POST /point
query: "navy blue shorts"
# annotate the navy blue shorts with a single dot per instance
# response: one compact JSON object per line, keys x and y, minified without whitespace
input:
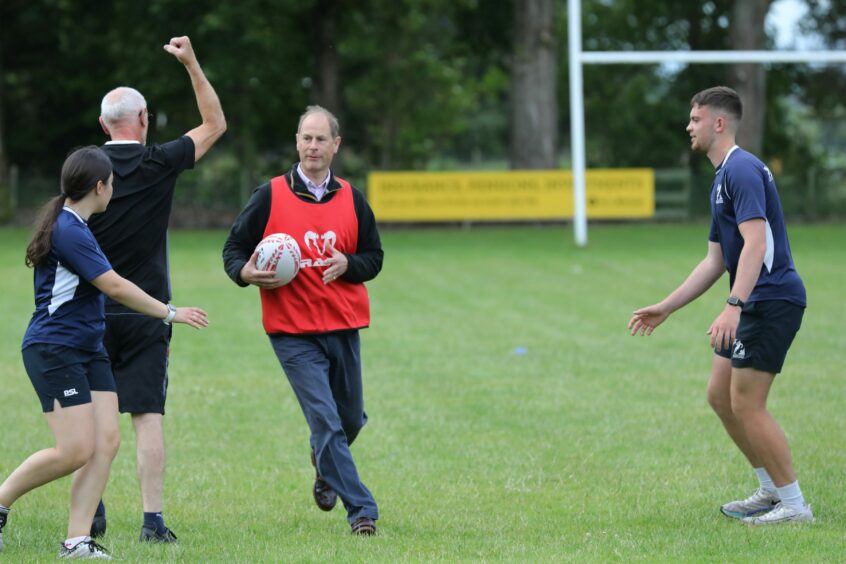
{"x":67,"y":375}
{"x":139,"y":348}
{"x":764,"y":335}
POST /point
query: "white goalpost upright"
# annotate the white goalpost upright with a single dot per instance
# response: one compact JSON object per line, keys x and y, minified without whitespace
{"x":577,"y":58}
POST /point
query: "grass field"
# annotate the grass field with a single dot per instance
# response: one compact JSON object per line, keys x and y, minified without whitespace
{"x":512,"y":417}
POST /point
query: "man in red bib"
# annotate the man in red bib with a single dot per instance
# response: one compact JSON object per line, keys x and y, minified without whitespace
{"x":313,"y":321}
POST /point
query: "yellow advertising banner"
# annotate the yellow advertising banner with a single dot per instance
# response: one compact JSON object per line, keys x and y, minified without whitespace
{"x":509,"y":195}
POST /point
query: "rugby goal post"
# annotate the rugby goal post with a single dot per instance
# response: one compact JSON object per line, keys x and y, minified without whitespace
{"x":577,"y":108}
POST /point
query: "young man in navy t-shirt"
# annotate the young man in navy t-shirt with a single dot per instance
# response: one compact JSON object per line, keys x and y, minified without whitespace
{"x":762,"y":314}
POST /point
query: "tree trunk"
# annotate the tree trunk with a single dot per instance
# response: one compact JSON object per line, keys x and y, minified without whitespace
{"x":325,"y":14}
{"x":750,"y":79}
{"x":534,"y":106}
{"x":324,"y":17}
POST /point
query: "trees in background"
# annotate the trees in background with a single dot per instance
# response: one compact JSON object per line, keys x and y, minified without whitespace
{"x":6,"y":203}
{"x":822,"y":88}
{"x":418,"y":84}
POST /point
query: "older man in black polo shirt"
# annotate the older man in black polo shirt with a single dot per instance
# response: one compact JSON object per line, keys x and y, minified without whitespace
{"x":133,"y":234}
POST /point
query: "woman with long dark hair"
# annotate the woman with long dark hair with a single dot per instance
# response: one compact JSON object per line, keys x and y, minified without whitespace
{"x":63,"y":348}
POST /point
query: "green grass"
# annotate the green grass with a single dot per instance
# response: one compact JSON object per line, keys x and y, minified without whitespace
{"x":593,"y":446}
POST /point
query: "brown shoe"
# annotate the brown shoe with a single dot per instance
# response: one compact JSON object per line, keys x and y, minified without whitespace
{"x":324,"y":496}
{"x":364,"y":526}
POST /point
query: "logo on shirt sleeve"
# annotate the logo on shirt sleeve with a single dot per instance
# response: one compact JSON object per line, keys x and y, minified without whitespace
{"x":769,"y":173}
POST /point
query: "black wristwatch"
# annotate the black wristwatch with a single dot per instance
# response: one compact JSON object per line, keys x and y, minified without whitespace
{"x":735,"y":301}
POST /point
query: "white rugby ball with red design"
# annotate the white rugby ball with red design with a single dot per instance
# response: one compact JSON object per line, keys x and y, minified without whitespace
{"x":280,"y":253}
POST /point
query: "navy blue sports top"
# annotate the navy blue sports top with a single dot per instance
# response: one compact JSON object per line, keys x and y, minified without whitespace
{"x":69,"y":310}
{"x":744,"y":189}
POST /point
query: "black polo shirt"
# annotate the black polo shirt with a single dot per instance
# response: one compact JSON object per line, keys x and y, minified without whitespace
{"x":133,"y":230}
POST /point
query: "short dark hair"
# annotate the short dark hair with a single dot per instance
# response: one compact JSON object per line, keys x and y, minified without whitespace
{"x":722,"y":98}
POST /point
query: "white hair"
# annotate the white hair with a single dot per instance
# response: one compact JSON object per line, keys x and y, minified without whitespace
{"x":121,"y":103}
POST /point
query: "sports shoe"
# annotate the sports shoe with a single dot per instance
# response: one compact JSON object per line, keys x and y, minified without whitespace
{"x":324,"y":496}
{"x":85,"y":549}
{"x":364,"y":526}
{"x":3,"y":515}
{"x":759,"y":502}
{"x":151,"y":534}
{"x":782,"y":514}
{"x":98,"y":526}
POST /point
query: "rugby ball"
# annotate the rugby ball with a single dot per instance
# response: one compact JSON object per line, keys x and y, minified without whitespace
{"x":280,"y":253}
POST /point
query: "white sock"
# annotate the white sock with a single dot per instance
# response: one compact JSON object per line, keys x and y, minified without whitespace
{"x":791,"y":495}
{"x":4,"y":509}
{"x":72,"y":542}
{"x":765,"y":480}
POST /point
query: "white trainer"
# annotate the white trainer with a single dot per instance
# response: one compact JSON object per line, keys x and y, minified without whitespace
{"x":762,"y":501}
{"x":782,"y":514}
{"x":87,"y":549}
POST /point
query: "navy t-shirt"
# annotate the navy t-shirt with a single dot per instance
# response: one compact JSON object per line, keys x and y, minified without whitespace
{"x":133,"y":230}
{"x":744,"y":189}
{"x":69,"y":310}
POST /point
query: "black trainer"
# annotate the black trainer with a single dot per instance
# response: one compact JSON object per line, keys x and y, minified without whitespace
{"x":324,"y":496}
{"x":151,"y":534}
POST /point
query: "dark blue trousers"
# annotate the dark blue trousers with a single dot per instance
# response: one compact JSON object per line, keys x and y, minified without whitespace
{"x":325,"y":373}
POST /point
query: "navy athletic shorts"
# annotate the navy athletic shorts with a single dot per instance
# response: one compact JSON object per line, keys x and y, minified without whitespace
{"x":764,"y":335}
{"x":139,"y":347}
{"x":67,"y":375}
